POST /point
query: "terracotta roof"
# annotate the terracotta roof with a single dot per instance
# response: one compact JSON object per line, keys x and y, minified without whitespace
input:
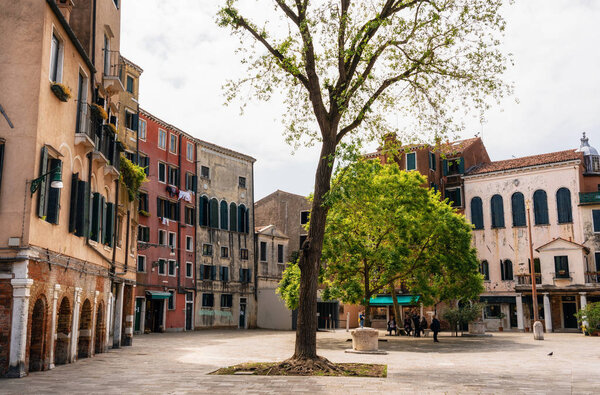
{"x":447,"y":148}
{"x":526,"y":161}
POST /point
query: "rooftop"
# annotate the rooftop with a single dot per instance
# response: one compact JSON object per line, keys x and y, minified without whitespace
{"x":526,"y":161}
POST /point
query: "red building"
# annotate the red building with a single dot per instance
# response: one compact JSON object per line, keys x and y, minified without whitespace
{"x":165,"y":291}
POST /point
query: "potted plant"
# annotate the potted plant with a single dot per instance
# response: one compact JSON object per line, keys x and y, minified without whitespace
{"x":501,"y":317}
{"x":98,"y":111}
{"x":61,"y":91}
{"x":111,"y":127}
{"x":589,"y":315}
{"x":144,"y":213}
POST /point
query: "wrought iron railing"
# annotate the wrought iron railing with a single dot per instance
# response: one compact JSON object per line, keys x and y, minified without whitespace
{"x":525,"y":279}
{"x":113,"y":67}
{"x":589,"y":197}
{"x":592,"y":277}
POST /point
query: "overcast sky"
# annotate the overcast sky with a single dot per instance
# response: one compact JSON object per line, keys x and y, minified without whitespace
{"x":186,"y":59}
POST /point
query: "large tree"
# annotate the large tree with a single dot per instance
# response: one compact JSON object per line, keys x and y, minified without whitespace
{"x":343,"y":66}
{"x":385,"y":230}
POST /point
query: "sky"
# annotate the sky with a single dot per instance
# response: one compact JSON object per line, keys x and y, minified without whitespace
{"x":187,"y":58}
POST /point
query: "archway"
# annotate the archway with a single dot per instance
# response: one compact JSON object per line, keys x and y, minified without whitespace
{"x":99,"y":332}
{"x":85,"y":330}
{"x":63,"y":333}
{"x":37,"y":336}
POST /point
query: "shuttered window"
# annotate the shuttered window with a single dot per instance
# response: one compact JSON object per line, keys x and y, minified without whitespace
{"x":497,"y":212}
{"x":263,"y":251}
{"x":224,"y":273}
{"x":203,"y":211}
{"x":561,"y":264}
{"x":97,"y":217}
{"x":411,"y":161}
{"x":540,"y":207}
{"x":484,"y":269}
{"x":432,"y":163}
{"x":233,"y":217}
{"x":477,"y":212}
{"x":596,"y":220}
{"x":506,"y":270}
{"x":224,"y":216}
{"x":109,"y":224}
{"x":518,"y":209}
{"x":563,"y":206}
{"x":214,"y":213}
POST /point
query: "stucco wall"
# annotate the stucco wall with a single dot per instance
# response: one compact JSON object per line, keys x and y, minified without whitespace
{"x":272,"y":312}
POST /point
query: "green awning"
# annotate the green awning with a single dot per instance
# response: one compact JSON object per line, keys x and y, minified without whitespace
{"x":404,"y":300}
{"x":158,"y":294}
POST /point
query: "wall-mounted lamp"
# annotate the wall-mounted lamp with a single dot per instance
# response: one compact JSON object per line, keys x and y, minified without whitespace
{"x":55,"y":180}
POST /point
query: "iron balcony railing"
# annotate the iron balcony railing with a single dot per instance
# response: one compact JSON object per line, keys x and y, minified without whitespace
{"x":589,"y":197}
{"x":113,"y":67}
{"x":525,"y":279}
{"x":592,"y":277}
{"x":84,"y":122}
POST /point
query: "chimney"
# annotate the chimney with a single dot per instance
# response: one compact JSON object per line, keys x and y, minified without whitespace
{"x":65,"y":6}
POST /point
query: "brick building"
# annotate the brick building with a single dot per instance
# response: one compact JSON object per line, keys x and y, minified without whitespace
{"x":66,"y":290}
{"x":166,"y":234}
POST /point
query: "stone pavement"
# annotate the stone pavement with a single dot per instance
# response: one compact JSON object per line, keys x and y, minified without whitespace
{"x":179,"y":362}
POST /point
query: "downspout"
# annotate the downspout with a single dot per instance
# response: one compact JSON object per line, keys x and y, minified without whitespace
{"x":255,"y":242}
{"x":179,"y":224}
{"x":127,"y":239}
{"x":114,"y":246}
{"x":94,"y":35}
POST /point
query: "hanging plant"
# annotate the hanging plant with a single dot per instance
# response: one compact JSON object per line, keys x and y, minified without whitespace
{"x":111,"y":127}
{"x":132,"y":177}
{"x":144,"y":213}
{"x":61,"y":91}
{"x":98,"y":111}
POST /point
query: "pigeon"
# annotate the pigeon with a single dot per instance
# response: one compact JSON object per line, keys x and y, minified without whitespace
{"x":551,"y":353}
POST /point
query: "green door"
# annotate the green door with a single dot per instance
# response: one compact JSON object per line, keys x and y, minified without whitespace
{"x":138,"y":313}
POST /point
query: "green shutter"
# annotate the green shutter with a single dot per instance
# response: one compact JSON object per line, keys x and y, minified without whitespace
{"x":110,"y":224}
{"x":445,"y":166}
{"x":73,"y":203}
{"x":102,"y":218}
{"x":53,"y":206}
{"x":83,"y":209}
{"x":42,"y":187}
{"x":96,"y":217}
{"x":461,"y":166}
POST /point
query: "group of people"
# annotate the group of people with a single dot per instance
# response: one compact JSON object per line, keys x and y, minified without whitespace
{"x":415,"y":325}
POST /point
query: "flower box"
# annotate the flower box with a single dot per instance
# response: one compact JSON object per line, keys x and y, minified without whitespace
{"x":98,"y":111}
{"x":111,"y":127}
{"x":61,"y":91}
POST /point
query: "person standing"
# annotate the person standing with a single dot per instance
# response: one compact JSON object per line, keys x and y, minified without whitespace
{"x":361,"y":320}
{"x":423,"y":325}
{"x":435,"y":328}
{"x":407,"y":325}
{"x":392,"y":326}
{"x":417,"y":325}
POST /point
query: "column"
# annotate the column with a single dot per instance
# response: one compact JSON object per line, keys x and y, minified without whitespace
{"x":109,"y":311}
{"x":547,"y":313}
{"x":53,"y":324}
{"x":93,"y":329}
{"x":18,"y":329}
{"x":520,"y":317}
{"x":582,"y":304}
{"x":75,"y":325}
{"x":129,"y":311}
{"x":117,"y":325}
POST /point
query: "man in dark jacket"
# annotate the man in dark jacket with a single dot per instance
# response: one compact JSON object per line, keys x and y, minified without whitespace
{"x":435,"y":328}
{"x":416,"y":324}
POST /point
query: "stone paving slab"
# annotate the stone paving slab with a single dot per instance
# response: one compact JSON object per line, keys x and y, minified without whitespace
{"x":179,"y":363}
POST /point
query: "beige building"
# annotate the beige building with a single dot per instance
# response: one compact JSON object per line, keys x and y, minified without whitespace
{"x":65,"y":286}
{"x":225,"y":246}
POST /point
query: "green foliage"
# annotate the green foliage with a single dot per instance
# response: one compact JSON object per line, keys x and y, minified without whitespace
{"x":591,"y":315}
{"x":289,"y":286}
{"x":385,"y":228}
{"x":463,"y":314}
{"x":132,"y":177}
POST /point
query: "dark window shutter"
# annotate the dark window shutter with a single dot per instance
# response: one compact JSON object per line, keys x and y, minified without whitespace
{"x":497,"y":212}
{"x":241,"y":275}
{"x":83,"y":209}
{"x":445,"y":167}
{"x":502,"y":272}
{"x":42,"y":187}
{"x":195,"y":183}
{"x":159,"y":211}
{"x":247,"y":220}
{"x":135,"y":118}
{"x":213,"y":273}
{"x":477,"y":212}
{"x":224,"y":217}
{"x":540,"y":207}
{"x":53,"y":209}
{"x":563,"y":202}
{"x":102,"y":218}
{"x":518,"y":209}
{"x":509,"y":269}
{"x":461,"y":166}
{"x":233,"y":217}
{"x":73,"y":209}
{"x":214,"y":213}
{"x":596,"y":220}
{"x":177,"y":211}
{"x":249,"y":275}
{"x":96,"y":217}
{"x":110,"y":217}
{"x":240,"y":224}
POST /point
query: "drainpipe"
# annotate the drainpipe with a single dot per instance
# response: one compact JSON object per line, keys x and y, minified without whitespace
{"x":196,"y":214}
{"x":114,"y":246}
{"x":127,"y":239}
{"x":179,"y":224}
{"x":255,"y":241}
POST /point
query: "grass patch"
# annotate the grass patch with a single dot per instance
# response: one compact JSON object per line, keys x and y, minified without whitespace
{"x":280,"y":369}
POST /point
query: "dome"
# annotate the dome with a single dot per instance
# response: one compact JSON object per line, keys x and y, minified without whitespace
{"x":586,"y":148}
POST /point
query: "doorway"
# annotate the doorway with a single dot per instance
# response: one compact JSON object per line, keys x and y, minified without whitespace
{"x":85,"y":330}
{"x":189,"y":311}
{"x":154,"y":315}
{"x":38,"y":336}
{"x":63,"y":333}
{"x":139,"y":302}
{"x":99,"y":332}
{"x":243,"y":313}
{"x":569,"y":310}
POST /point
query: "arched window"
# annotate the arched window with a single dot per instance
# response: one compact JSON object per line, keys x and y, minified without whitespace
{"x":563,"y":205}
{"x":506,"y":269}
{"x":233,"y":217}
{"x":214,"y":213}
{"x":241,"y":218}
{"x":497,"y":212}
{"x":540,"y":207}
{"x":203,"y":211}
{"x":224,"y":217}
{"x":247,"y":220}
{"x":518,"y":209}
{"x":477,"y":212}
{"x":484,"y":269}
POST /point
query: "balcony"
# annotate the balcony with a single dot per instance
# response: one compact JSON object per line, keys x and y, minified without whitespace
{"x":525,"y":279}
{"x":563,"y":275}
{"x":107,"y":149}
{"x":113,"y":70}
{"x":589,"y":197}
{"x":592,"y":277}
{"x":84,"y":128}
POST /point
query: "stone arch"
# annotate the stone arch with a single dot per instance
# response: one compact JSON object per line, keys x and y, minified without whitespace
{"x":77,"y":165}
{"x":37,"y":335}
{"x":63,"y":333}
{"x":99,"y":331}
{"x":85,"y":330}
{"x":66,"y":151}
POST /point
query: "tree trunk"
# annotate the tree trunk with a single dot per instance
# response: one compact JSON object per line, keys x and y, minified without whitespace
{"x":310,"y":258}
{"x":397,"y":315}
{"x":367,"y":295}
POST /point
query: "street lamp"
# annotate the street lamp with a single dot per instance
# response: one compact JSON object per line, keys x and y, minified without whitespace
{"x":538,"y":329}
{"x":55,"y":180}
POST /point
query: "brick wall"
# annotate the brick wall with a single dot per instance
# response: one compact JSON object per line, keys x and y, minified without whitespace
{"x":5,"y":321}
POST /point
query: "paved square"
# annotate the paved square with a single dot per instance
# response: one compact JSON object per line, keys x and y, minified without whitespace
{"x":179,"y":363}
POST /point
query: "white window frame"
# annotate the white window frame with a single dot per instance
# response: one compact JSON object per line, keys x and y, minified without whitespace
{"x":172,"y":149}
{"x":174,"y":299}
{"x":140,"y":135}
{"x":131,"y":113}
{"x":165,"y":239}
{"x":165,"y":173}
{"x":128,"y":75}
{"x":228,"y":255}
{"x":164,"y":148}
{"x":138,"y":264}
{"x":406,"y":161}
{"x":189,"y":150}
{"x":174,"y":236}
{"x":189,"y":241}
{"x":189,"y":264}
{"x":60,"y":56}
{"x":169,"y":267}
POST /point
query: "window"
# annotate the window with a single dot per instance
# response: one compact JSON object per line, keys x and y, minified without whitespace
{"x":279,"y":253}
{"x":563,"y":205}
{"x":81,"y":125}
{"x":224,"y":216}
{"x":432,"y":163}
{"x":492,"y":311}
{"x":171,"y":303}
{"x":116,"y":2}
{"x":208,"y":272}
{"x":506,"y":270}
{"x":224,"y":274}
{"x":167,"y":209}
{"x":245,"y":275}
{"x":48,"y":197}
{"x":244,"y":254}
{"x":79,"y":207}
{"x":172,"y":267}
{"x":141,"y":263}
{"x":129,"y":84}
{"x":143,"y":202}
{"x":145,"y":163}
{"x":518,"y":209}
{"x":56,"y":59}
{"x":411,"y":161}
{"x":189,"y":243}
{"x":207,"y":249}
{"x":143,"y":234}
{"x":162,"y":172}
{"x":208,"y":300}
{"x":224,"y":252}
{"x":497,"y":212}
{"x":561,"y":264}
{"x":233,"y":217}
{"x":204,"y":172}
{"x":214,"y":213}
{"x":263,"y":251}
{"x":190,"y":215}
{"x":161,"y":267}
{"x":173,"y":176}
{"x":131,"y":120}
{"x":162,"y":237}
{"x":242,"y":182}
{"x":189,"y":154}
{"x":106,"y":50}
{"x":540,"y":207}
{"x":172,"y":240}
{"x":454,"y":196}
{"x":189,"y":269}
{"x":190,"y":181}
{"x":142,"y":130}
{"x":203,"y":209}
{"x":98,"y":213}
{"x":477,"y":212}
{"x":596,"y":220}
{"x":173,"y":143}
{"x":162,"y":139}
{"x":226,"y":301}
{"x":304,"y":217}
{"x":302,"y":240}
{"x":484,"y":268}
{"x":454,"y":166}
